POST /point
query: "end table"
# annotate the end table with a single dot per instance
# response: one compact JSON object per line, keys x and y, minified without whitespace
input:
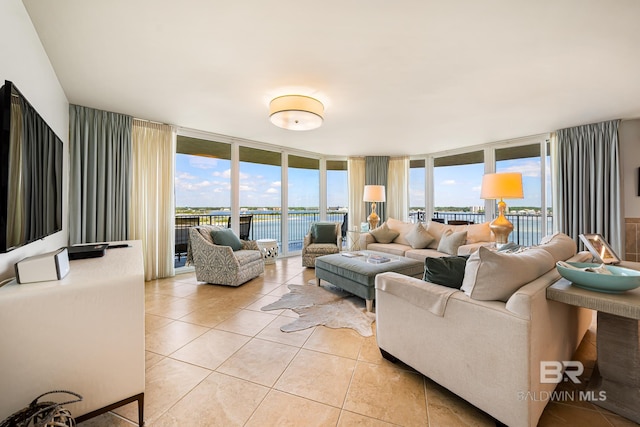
{"x":269,"y":250}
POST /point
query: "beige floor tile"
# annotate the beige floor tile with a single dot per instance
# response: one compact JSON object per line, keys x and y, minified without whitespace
{"x":171,"y":307}
{"x":387,"y":393}
{"x":263,"y":301}
{"x":281,"y":409}
{"x":246,"y":322}
{"x":260,"y":286}
{"x":211,"y":349}
{"x":369,"y":352}
{"x":318,"y":376}
{"x":109,"y":419}
{"x":273,"y":333}
{"x":211,"y":316}
{"x":219,"y":400}
{"x":166,"y":383}
{"x":153,"y":322}
{"x":169,"y":338}
{"x":259,"y":361}
{"x":280,"y":290}
{"x":447,"y":409}
{"x":339,"y":342}
{"x":350,"y":419}
{"x":151,"y":359}
{"x":559,"y":414}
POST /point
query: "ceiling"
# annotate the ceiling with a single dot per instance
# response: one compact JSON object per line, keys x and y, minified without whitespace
{"x":396,"y":77}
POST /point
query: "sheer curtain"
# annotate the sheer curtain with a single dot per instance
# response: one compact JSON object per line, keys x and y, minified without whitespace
{"x":355,"y":172}
{"x":589,"y":181}
{"x":152,"y":205}
{"x":398,"y":188}
{"x":99,"y":175}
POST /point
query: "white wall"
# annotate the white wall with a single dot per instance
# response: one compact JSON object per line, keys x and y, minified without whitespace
{"x":629,"y":134}
{"x":25,"y":63}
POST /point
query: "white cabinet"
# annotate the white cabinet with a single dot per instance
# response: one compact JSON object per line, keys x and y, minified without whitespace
{"x":84,"y":333}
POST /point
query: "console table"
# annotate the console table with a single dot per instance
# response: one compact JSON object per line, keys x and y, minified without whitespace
{"x":618,"y":343}
{"x":83,"y":333}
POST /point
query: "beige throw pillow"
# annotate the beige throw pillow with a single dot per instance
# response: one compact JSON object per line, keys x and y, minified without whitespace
{"x":559,"y":245}
{"x":479,"y":233}
{"x":495,"y":276}
{"x":384,"y":234}
{"x":403,"y":228}
{"x":451,"y":241}
{"x":419,"y":238}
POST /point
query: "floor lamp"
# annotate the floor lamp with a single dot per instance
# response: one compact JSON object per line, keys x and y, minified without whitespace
{"x":501,"y":186}
{"x":373,"y":194}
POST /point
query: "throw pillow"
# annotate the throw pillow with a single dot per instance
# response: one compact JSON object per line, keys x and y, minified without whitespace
{"x":384,"y":234}
{"x":445,"y":271}
{"x":226,"y":237}
{"x":324,"y":232}
{"x":419,"y":238}
{"x":450,"y":242}
{"x":495,"y":276}
{"x":403,"y":228}
{"x":559,"y":245}
{"x":479,"y":233}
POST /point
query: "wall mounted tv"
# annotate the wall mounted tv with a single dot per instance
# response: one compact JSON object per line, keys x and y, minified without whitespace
{"x":30,"y":173}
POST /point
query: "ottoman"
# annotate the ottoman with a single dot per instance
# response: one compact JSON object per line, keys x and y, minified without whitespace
{"x":357,"y":273}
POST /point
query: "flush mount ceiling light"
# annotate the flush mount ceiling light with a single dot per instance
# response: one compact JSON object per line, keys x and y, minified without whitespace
{"x":296,"y":112}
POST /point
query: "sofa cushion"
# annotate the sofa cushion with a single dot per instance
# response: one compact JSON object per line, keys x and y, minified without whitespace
{"x":495,"y":276}
{"x":226,"y":237}
{"x":451,"y":241}
{"x":445,"y":271}
{"x":384,"y":234}
{"x":436,"y":229}
{"x":559,"y":245}
{"x":418,"y":237}
{"x":324,"y":232}
{"x":403,"y":228}
{"x":479,"y":233}
{"x":390,"y":248}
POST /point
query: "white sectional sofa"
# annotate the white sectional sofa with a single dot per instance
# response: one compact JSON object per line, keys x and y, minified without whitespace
{"x":476,"y":235}
{"x":485,"y":342}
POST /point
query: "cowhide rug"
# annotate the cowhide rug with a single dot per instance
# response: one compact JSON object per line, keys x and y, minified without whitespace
{"x":325,"y":305}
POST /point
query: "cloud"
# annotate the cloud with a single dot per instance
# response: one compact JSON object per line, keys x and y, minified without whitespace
{"x":272,"y":191}
{"x":200,"y":162}
{"x":276,"y":184}
{"x":529,"y":168}
{"x":185,"y":175}
{"x":448,"y":182}
{"x":476,"y":189}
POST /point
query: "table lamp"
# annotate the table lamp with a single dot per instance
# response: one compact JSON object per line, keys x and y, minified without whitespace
{"x":501,"y":186}
{"x":373,"y":194}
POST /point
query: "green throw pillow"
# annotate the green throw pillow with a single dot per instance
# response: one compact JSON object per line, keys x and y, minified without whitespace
{"x":226,"y":237}
{"x":324,"y":233}
{"x":446,"y":271}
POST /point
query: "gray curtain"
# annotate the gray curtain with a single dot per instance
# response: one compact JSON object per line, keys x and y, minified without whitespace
{"x":589,"y":182}
{"x":100,"y":175}
{"x":376,"y":171}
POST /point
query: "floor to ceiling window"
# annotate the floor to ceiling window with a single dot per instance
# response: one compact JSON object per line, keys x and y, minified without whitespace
{"x":202,"y":188}
{"x":531,"y":218}
{"x":456,"y":187}
{"x":303,"y":198}
{"x":417,"y":195}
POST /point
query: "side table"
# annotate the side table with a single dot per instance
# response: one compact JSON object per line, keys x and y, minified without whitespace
{"x":269,"y":250}
{"x":618,"y":343}
{"x":354,"y":237}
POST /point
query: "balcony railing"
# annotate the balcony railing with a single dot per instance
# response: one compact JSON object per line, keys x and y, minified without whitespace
{"x":527,"y":229}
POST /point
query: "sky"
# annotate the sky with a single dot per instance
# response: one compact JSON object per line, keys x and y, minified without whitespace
{"x":205,"y":181}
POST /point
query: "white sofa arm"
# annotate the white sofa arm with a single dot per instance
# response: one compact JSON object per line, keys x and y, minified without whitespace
{"x":415,"y":291}
{"x":366,"y":239}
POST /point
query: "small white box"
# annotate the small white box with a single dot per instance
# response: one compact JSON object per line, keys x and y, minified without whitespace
{"x":44,"y":267}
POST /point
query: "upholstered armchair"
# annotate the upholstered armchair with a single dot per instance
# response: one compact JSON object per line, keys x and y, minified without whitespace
{"x":221,"y":265}
{"x":323,"y":238}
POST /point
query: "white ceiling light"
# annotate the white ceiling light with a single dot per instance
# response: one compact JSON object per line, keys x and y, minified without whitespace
{"x":296,"y":112}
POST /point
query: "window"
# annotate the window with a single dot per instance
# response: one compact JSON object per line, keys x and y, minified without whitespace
{"x":304,"y":198}
{"x":456,"y":187}
{"x":417,"y":197}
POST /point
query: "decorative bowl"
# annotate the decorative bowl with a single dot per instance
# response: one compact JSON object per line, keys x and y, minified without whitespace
{"x":621,"y":279}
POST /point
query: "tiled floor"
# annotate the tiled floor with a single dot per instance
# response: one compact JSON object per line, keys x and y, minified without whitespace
{"x":214,"y":359}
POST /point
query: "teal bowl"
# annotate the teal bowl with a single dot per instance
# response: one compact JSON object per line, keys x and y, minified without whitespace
{"x":622,"y":279}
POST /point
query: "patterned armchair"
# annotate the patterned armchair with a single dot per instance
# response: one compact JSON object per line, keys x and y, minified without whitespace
{"x":220,"y":265}
{"x":321,"y":240}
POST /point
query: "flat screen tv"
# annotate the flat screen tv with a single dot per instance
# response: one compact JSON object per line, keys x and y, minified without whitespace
{"x":30,"y":173}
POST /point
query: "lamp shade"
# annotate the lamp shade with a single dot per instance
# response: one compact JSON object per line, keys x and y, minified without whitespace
{"x":374,"y":193}
{"x":296,"y":112}
{"x":502,"y":186}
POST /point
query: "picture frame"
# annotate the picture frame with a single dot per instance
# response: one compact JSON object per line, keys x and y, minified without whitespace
{"x":599,"y":248}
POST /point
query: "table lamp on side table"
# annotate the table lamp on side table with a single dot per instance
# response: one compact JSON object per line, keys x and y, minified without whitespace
{"x":373,"y":194}
{"x":501,"y":186}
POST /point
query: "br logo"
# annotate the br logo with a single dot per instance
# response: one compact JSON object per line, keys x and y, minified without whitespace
{"x":551,"y":371}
